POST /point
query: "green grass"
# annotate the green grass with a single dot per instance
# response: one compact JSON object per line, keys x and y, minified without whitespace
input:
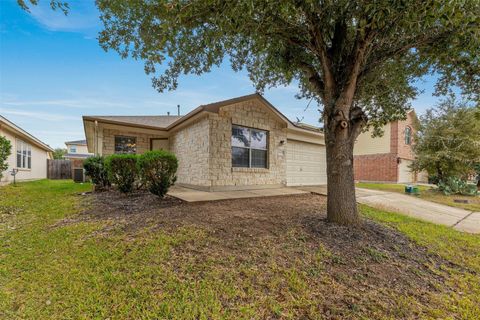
{"x":427,"y":193}
{"x":54,"y":270}
{"x":461,"y":249}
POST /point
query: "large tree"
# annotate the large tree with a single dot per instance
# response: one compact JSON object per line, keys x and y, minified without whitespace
{"x":358,"y":59}
{"x":448,"y":140}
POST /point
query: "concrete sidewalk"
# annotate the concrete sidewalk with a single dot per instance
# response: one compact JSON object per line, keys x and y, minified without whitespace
{"x":459,"y":219}
{"x":192,"y":195}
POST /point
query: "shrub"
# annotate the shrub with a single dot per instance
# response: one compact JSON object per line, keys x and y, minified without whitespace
{"x":5,"y":151}
{"x":454,"y":185}
{"x":96,"y":170}
{"x":157,"y":170}
{"x":122,"y":171}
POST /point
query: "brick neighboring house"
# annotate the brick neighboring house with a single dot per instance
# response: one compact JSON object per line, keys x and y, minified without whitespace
{"x":387,"y":158}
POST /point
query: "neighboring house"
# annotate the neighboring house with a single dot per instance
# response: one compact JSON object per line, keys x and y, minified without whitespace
{"x":77,"y":150}
{"x":387,"y":158}
{"x":234,"y":144}
{"x":29,"y":155}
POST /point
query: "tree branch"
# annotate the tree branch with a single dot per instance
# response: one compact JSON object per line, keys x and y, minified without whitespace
{"x":313,"y":78}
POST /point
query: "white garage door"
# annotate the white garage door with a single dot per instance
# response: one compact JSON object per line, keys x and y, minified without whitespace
{"x":306,"y":163}
{"x":405,"y":174}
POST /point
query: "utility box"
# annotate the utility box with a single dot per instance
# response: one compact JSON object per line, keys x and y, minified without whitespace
{"x":78,"y":175}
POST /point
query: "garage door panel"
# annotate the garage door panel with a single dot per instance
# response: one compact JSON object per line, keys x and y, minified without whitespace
{"x":405,"y":174}
{"x":306,"y":163}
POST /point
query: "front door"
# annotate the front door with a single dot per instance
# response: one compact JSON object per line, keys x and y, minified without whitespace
{"x":159,"y":144}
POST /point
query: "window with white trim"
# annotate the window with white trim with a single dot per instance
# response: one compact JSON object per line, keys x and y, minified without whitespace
{"x":24,"y":155}
{"x":73,"y":149}
{"x":408,"y":135}
{"x":249,"y":147}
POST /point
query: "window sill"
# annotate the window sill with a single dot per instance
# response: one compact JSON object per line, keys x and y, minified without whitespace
{"x":23,"y":169}
{"x":256,"y":170}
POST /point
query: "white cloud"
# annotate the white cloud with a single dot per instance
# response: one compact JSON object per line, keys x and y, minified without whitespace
{"x":82,"y":17}
{"x":38,"y":115}
{"x":70,"y":103}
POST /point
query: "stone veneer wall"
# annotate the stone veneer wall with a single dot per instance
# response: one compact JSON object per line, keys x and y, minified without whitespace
{"x":191,"y":146}
{"x":143,"y":140}
{"x":376,"y":167}
{"x":249,"y":114}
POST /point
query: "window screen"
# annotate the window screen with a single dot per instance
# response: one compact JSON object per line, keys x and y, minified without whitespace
{"x":125,"y":144}
{"x":24,"y":155}
{"x":249,"y":147}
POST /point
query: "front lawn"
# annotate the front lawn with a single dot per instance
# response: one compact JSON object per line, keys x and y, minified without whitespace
{"x":70,"y":256}
{"x":427,"y":193}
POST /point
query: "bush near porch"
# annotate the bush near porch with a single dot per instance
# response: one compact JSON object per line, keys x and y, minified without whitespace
{"x":154,"y":170}
{"x":105,"y":255}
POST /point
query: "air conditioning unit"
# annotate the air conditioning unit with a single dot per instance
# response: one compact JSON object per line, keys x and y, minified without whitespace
{"x":78,"y":175}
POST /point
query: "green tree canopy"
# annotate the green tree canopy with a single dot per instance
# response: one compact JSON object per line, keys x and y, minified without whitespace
{"x":358,"y":59}
{"x":448,"y":141}
{"x":58,"y":153}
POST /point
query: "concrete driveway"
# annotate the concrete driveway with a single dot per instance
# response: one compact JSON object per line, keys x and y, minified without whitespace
{"x":459,"y":219}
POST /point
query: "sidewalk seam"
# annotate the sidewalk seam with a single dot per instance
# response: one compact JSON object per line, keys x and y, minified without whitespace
{"x":468,"y":215}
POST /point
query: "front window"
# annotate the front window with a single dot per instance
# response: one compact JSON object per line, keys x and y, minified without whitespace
{"x":125,"y":144}
{"x":24,"y":155}
{"x":408,"y":135}
{"x":73,"y":149}
{"x":249,"y":147}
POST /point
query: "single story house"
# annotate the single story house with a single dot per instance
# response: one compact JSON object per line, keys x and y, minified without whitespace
{"x":29,"y":154}
{"x":241,"y":143}
{"x":388,"y":158}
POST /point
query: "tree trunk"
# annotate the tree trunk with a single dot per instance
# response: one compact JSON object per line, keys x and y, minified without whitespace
{"x":342,"y":126}
{"x":341,"y":201}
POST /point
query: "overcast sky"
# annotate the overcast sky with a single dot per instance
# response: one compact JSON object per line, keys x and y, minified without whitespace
{"x":52,"y":71}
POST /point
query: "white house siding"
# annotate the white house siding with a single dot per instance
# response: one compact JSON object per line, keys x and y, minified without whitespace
{"x":39,"y":161}
{"x":81,"y":149}
{"x":306,"y":163}
{"x":365,"y":144}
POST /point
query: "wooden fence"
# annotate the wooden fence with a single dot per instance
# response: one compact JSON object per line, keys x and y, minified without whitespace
{"x":59,"y":169}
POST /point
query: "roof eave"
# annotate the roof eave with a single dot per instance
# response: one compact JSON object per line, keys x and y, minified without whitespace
{"x":25,"y":134}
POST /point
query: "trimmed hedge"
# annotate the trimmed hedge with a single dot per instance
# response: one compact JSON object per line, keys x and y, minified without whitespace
{"x":157,"y":170}
{"x":96,"y":170}
{"x":122,"y":171}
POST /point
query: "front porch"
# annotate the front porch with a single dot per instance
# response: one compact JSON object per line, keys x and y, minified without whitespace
{"x":195,"y":195}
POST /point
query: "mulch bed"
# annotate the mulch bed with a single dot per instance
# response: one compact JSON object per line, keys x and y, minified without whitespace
{"x":368,"y":261}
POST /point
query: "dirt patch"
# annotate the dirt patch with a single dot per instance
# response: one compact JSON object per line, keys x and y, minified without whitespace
{"x":366,"y":270}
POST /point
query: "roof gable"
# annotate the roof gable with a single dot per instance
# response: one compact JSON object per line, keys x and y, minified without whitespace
{"x":24,"y":134}
{"x":170,"y":122}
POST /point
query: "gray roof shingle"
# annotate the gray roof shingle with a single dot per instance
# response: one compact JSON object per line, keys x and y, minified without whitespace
{"x":160,"y":122}
{"x":77,"y":142}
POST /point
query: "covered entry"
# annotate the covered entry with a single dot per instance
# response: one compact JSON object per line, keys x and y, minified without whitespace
{"x":306,"y":163}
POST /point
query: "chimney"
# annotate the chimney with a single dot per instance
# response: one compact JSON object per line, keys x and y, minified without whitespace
{"x":178,"y":108}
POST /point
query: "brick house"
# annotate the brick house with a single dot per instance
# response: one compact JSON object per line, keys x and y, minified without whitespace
{"x":387,"y":158}
{"x":241,"y":143}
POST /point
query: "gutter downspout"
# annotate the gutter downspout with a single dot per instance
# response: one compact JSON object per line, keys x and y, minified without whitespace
{"x":95,"y":136}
